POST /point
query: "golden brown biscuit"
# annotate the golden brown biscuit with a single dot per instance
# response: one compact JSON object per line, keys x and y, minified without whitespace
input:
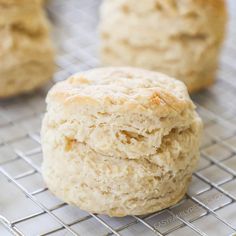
{"x":120,"y":141}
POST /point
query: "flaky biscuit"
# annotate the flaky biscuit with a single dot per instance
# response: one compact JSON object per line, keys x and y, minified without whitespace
{"x":26,"y":51}
{"x":120,"y":141}
{"x":179,"y":38}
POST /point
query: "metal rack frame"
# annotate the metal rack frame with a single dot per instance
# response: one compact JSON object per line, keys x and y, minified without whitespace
{"x":77,"y":53}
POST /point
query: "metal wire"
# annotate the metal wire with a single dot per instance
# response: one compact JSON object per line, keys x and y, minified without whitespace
{"x":77,"y":20}
{"x":34,"y":200}
{"x":9,"y":226}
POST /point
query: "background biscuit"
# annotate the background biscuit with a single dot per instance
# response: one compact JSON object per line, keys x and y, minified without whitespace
{"x":26,"y":51}
{"x":179,"y":38}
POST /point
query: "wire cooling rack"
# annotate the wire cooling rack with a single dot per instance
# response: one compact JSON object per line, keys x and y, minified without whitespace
{"x":28,"y":208}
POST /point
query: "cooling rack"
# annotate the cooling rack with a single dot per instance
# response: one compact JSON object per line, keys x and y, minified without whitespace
{"x":28,"y":208}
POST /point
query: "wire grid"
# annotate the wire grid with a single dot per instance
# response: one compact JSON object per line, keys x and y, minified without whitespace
{"x":28,"y":208}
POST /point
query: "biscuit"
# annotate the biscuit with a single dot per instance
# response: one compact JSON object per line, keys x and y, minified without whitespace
{"x":120,"y":141}
{"x":26,"y":51}
{"x":179,"y":38}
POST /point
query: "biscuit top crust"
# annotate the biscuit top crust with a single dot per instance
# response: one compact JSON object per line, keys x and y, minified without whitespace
{"x":219,"y":5}
{"x":123,"y":89}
